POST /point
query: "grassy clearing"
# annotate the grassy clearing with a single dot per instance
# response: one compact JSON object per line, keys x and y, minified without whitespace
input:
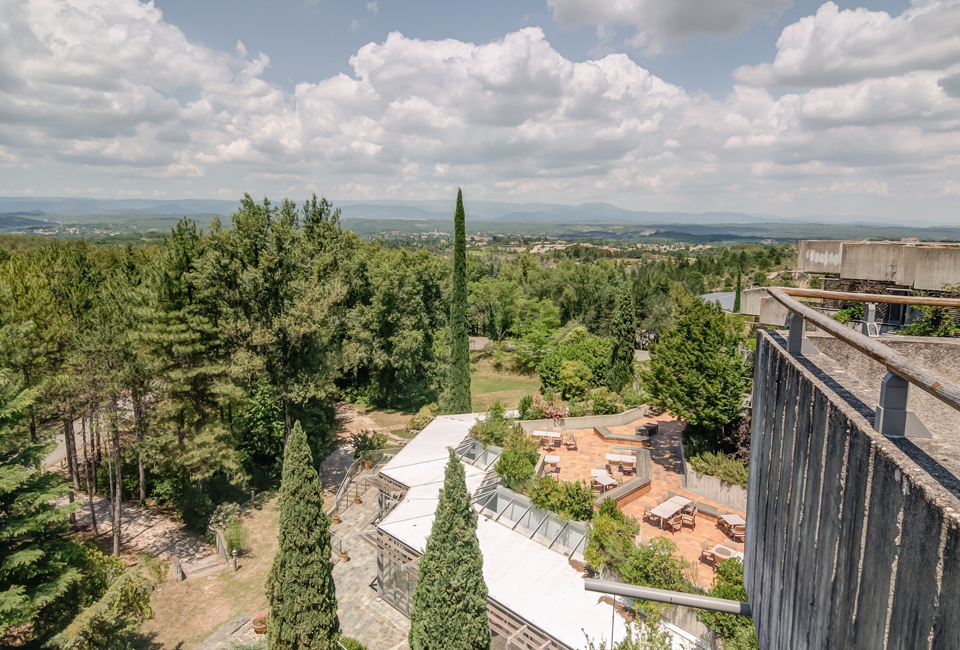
{"x":487,"y":387}
{"x":188,"y":612}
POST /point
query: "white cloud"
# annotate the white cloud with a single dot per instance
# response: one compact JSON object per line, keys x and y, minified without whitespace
{"x":658,"y":22}
{"x":89,"y":91}
{"x":835,"y":47}
{"x":373,"y":9}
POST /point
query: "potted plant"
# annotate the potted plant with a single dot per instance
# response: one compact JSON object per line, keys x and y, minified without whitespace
{"x":367,"y":461}
{"x":336,"y":517}
{"x":356,"y":497}
{"x":260,"y":623}
{"x":344,"y":557}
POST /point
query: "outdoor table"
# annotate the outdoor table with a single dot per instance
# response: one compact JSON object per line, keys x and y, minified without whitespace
{"x":682,"y":502}
{"x":547,"y":434}
{"x":668,"y":509}
{"x":733,"y":520}
{"x":551,"y":459}
{"x":724,"y":553}
{"x":598,"y":472}
{"x":605,"y":481}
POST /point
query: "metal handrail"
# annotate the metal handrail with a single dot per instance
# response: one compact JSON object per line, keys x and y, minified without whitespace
{"x":669,"y":597}
{"x":351,"y":474}
{"x":933,"y":383}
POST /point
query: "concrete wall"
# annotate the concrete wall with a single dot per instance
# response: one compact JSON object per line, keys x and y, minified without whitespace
{"x":819,"y":256}
{"x":732,"y":496}
{"x":750,"y":301}
{"x":850,"y":544}
{"x":871,"y":261}
{"x":587,"y":421}
{"x":930,"y":269}
{"x":772,"y":312}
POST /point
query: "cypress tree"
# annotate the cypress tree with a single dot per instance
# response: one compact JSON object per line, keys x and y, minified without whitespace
{"x":624,"y":335}
{"x":457,"y":394}
{"x":300,"y":588}
{"x":450,"y":600}
{"x":736,"y":300}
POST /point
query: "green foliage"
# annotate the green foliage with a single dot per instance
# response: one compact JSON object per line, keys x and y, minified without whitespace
{"x":736,"y":298}
{"x":655,"y":565}
{"x":236,"y":537}
{"x":259,"y":432}
{"x":421,"y":419}
{"x":366,"y":441}
{"x":518,"y":460}
{"x":300,"y":587}
{"x":607,"y":403}
{"x":569,"y":499}
{"x":449,"y":609}
{"x":696,"y":370}
{"x":933,"y":321}
{"x":643,"y":635}
{"x":456,"y":398}
{"x":580,"y":359}
{"x":157,"y":568}
{"x":113,"y":622}
{"x":736,"y":631}
{"x":575,"y":379}
{"x":525,"y":406}
{"x":351,"y":644}
{"x":720,"y":466}
{"x":495,"y":427}
{"x":816,"y":283}
{"x":633,"y":398}
{"x":851,"y":313}
{"x":576,"y":409}
{"x":623,"y":332}
{"x":610,"y":539}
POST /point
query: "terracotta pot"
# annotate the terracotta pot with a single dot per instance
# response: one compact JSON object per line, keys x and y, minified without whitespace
{"x":336,"y":519}
{"x":260,"y":629}
{"x":367,"y":464}
{"x":344,"y":557}
{"x":357,"y":500}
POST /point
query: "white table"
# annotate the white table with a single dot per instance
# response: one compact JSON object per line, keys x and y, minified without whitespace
{"x":551,"y":459}
{"x":618,"y":458}
{"x":598,"y":472}
{"x":547,"y":434}
{"x":605,"y":481}
{"x":670,"y":508}
{"x":734,"y":520}
{"x":723,"y":553}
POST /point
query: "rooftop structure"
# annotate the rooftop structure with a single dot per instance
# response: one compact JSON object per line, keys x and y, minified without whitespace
{"x":927,"y":266}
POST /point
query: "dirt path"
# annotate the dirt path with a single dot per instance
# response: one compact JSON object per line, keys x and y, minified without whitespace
{"x":148,"y":532}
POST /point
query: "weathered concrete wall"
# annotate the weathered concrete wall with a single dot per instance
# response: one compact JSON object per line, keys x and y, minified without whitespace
{"x":850,"y":544}
{"x":819,"y":256}
{"x":750,"y":301}
{"x":871,"y":261}
{"x":586,"y":421}
{"x":772,"y":312}
{"x":931,"y":269}
{"x":732,"y":496}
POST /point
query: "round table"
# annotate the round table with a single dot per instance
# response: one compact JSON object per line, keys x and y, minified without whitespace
{"x":723,"y":552}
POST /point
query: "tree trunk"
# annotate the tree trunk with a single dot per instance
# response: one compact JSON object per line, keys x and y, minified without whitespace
{"x":286,"y":421}
{"x":118,"y":488}
{"x":138,"y":420}
{"x":33,"y":425}
{"x":94,"y":447}
{"x":86,"y":476}
{"x":70,"y":443}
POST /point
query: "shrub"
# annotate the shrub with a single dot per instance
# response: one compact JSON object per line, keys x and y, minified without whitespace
{"x":655,"y":565}
{"x":493,"y":429}
{"x":525,"y":406}
{"x":367,"y":441}
{"x":569,"y":499}
{"x":576,"y":409}
{"x":720,"y":466}
{"x":157,"y":568}
{"x":736,"y":631}
{"x":351,"y":644}
{"x":633,"y":398}
{"x":515,"y":469}
{"x":543,"y":408}
{"x":235,"y":537}
{"x":421,"y":419}
{"x":607,"y":403}
{"x":224,"y":515}
{"x":575,"y":378}
{"x":610,"y":539}
{"x":577,"y":346}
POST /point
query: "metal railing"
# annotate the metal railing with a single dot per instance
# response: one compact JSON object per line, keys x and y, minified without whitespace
{"x":355,"y":469}
{"x":893,"y":418}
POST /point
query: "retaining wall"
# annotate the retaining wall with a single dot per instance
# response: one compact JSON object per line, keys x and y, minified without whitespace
{"x":850,"y":544}
{"x":732,"y":496}
{"x":587,"y":421}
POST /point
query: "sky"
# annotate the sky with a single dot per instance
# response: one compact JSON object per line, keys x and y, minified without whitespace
{"x":780,"y":107}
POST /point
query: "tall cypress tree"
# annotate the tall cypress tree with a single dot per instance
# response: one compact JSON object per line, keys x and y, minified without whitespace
{"x":736,"y":299}
{"x":457,"y":392}
{"x":450,"y":600}
{"x":623,"y":331}
{"x":300,"y":588}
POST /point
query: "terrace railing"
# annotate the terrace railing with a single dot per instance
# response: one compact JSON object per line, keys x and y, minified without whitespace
{"x":892,"y":418}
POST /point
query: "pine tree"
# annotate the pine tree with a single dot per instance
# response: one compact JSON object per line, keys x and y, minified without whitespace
{"x":450,"y":600}
{"x":300,"y":588}
{"x":623,"y":331}
{"x":736,"y":300}
{"x":457,"y":395}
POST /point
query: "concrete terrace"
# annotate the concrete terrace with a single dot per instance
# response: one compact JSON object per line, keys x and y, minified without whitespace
{"x":665,"y":476}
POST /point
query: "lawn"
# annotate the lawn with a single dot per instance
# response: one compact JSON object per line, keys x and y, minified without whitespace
{"x":488,"y":386}
{"x":188,"y":612}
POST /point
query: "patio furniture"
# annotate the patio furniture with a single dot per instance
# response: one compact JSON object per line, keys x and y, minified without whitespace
{"x":689,"y":519}
{"x":570,"y":440}
{"x":605,"y":481}
{"x":729,"y":521}
{"x":739,"y":533}
{"x":675,"y":523}
{"x":723,"y":552}
{"x":598,"y":472}
{"x":617,"y":476}
{"x":705,"y":552}
{"x":670,"y":510}
{"x":629,"y":466}
{"x":647,"y":508}
{"x":665,"y":495}
{"x":660,"y":500}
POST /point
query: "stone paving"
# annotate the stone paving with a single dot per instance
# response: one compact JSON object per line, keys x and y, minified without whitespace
{"x":665,"y":476}
{"x":372,"y":622}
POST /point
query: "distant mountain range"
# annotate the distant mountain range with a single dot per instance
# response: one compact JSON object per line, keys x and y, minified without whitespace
{"x":51,"y":208}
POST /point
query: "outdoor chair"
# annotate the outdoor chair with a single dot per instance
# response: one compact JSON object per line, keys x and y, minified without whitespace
{"x":595,"y":485}
{"x":660,"y":500}
{"x":674,"y":523}
{"x":571,"y":441}
{"x":647,"y":508}
{"x":600,"y":466}
{"x":739,"y":533}
{"x":689,"y":519}
{"x":705,"y":552}
{"x":721,"y":524}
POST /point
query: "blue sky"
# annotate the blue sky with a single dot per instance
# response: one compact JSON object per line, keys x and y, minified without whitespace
{"x":758,"y":106}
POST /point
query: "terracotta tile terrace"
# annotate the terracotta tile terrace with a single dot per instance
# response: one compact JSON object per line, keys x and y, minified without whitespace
{"x":665,"y":476}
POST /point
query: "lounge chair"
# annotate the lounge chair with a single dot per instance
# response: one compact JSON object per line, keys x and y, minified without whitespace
{"x":674,"y":523}
{"x":706,"y":553}
{"x":689,"y":519}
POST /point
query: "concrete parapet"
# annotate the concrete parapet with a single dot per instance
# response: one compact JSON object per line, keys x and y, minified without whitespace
{"x":850,"y":543}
